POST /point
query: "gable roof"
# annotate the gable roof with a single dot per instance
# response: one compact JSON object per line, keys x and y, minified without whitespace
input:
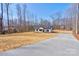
{"x":43,"y":26}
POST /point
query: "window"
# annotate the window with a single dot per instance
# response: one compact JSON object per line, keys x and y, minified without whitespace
{"x":40,"y":30}
{"x":47,"y":30}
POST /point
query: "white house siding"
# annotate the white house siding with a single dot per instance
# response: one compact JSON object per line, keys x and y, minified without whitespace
{"x":36,"y":30}
{"x":50,"y":30}
{"x":45,"y":30}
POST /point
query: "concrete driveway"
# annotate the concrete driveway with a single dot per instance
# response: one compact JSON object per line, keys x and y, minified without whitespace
{"x":63,"y":44}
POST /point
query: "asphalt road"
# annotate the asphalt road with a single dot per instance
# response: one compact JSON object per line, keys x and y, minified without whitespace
{"x":62,"y":45}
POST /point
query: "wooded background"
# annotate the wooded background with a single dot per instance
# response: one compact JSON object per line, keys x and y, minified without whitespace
{"x":23,"y":22}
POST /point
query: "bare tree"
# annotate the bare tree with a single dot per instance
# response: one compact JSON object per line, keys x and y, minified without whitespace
{"x":56,"y":20}
{"x":24,"y":16}
{"x":1,"y":19}
{"x":18,"y":7}
{"x":74,"y":14}
{"x":7,"y":10}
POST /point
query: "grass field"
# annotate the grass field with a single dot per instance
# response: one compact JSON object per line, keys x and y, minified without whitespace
{"x":62,"y":31}
{"x":11,"y":41}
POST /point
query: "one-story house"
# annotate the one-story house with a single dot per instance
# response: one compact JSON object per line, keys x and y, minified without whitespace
{"x":39,"y":28}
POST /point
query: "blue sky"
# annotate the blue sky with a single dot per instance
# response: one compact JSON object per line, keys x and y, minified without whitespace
{"x":46,"y":9}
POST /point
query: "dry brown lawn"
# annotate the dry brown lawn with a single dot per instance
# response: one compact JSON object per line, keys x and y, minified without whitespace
{"x":11,"y":41}
{"x":62,"y":31}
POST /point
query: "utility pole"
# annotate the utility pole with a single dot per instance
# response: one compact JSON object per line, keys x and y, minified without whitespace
{"x":76,"y":19}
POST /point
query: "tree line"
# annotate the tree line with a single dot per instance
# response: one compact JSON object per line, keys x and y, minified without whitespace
{"x":24,"y":20}
{"x":70,"y":20}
